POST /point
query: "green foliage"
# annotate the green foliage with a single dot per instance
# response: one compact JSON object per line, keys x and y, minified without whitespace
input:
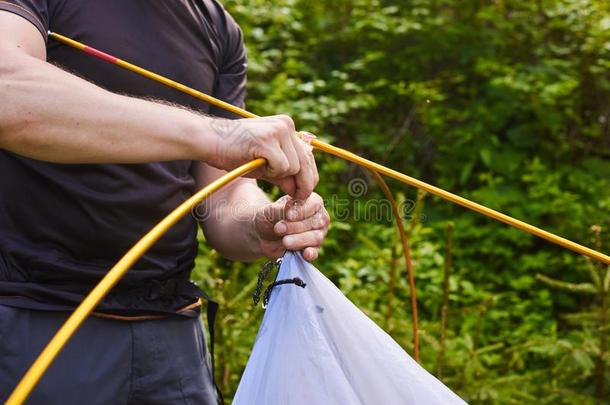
{"x":505,"y":102}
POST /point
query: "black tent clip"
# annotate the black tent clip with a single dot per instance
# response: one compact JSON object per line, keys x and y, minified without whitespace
{"x":263,"y":274}
{"x":296,"y":281}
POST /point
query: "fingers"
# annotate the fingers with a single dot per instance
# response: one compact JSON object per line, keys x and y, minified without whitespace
{"x":311,"y":253}
{"x":287,"y":183}
{"x":278,"y":148}
{"x":304,"y":240}
{"x":275,"y":250}
{"x":290,"y":149}
{"x":305,"y":226}
{"x":317,"y":221}
{"x":307,"y":177}
{"x":291,"y":225}
{"x":291,"y":165}
{"x":287,"y":215}
{"x":278,"y":165}
{"x":269,"y":216}
{"x":298,"y":211}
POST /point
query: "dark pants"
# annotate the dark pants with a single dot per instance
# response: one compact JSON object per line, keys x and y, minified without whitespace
{"x":108,"y":361}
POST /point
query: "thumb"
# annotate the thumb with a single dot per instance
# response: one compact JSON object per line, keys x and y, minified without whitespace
{"x":269,"y":215}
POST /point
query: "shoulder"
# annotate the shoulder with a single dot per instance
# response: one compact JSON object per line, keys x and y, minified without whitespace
{"x":222,"y":20}
{"x":228,"y":34}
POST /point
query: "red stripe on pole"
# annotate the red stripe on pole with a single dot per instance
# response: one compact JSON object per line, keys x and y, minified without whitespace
{"x":100,"y":54}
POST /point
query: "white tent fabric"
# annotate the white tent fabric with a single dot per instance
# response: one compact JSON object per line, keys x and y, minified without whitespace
{"x":315,"y":347}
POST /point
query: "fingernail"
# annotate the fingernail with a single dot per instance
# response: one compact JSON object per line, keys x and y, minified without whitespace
{"x":281,"y":228}
{"x":289,"y":240}
{"x":292,"y":214}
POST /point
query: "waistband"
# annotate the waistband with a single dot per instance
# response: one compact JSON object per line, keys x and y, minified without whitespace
{"x":195,"y":306}
{"x":151,"y":298}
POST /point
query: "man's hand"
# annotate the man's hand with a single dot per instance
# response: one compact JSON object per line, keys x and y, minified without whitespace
{"x":288,"y":224}
{"x":291,"y":165}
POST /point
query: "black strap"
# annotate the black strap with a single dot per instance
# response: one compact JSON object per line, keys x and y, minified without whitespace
{"x":296,"y":281}
{"x":263,"y":273}
{"x":212,"y":311}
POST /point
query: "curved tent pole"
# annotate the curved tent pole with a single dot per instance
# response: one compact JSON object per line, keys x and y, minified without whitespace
{"x":404,"y":239}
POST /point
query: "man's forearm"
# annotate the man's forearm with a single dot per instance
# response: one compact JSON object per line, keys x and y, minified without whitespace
{"x":49,"y":114}
{"x":228,"y":221}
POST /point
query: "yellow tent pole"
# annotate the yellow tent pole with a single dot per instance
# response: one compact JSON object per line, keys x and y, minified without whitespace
{"x":344,"y":154}
{"x":33,"y":375}
{"x":558,"y":240}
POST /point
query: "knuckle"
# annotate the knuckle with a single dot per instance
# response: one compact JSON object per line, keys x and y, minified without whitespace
{"x":288,"y":242}
{"x":278,"y":170}
{"x":278,"y":165}
{"x":325,"y":213}
{"x":322,"y":224}
{"x":287,"y":120}
{"x":323,"y":220}
{"x":276,"y":131}
{"x":294,"y":169}
{"x":319,"y":237}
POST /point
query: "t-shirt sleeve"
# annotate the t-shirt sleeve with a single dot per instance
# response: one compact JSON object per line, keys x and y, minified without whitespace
{"x":35,"y":11}
{"x":230,"y":84}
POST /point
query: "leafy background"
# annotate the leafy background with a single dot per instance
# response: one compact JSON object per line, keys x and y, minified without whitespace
{"x":504,"y":102}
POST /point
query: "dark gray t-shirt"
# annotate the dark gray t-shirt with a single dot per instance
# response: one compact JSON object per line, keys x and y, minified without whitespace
{"x":63,"y":226}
